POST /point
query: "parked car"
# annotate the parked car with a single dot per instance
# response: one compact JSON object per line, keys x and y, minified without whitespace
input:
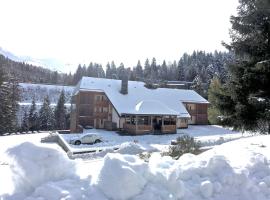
{"x":86,"y":139}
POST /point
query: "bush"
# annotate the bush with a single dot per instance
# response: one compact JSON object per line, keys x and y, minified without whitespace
{"x":184,"y":144}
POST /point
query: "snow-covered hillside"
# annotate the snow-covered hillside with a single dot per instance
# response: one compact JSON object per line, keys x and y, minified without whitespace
{"x":29,"y":91}
{"x":237,"y":170}
{"x":39,"y":91}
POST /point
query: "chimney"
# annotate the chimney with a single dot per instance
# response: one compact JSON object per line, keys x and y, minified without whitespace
{"x":124,"y":85}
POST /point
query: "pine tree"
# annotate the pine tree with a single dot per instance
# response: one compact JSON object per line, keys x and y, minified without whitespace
{"x":24,"y":124}
{"x":113,"y":70}
{"x":33,"y":116}
{"x":90,"y":70}
{"x":147,"y":70}
{"x":1,"y":75}
{"x":215,"y":90}
{"x":180,"y":67}
{"x":60,"y":112}
{"x":9,"y":98}
{"x":46,"y":116}
{"x":78,"y":75}
{"x":154,"y":70}
{"x":14,"y":100}
{"x":198,"y":86}
{"x":121,"y":72}
{"x":108,"y":71}
{"x":164,"y":71}
{"x":139,"y":71}
{"x":100,"y":71}
{"x":249,"y":81}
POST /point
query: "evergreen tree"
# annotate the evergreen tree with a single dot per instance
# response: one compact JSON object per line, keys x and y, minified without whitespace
{"x":113,"y":70}
{"x":108,"y":71}
{"x":5,"y":108}
{"x":33,"y":116}
{"x":90,"y":70}
{"x":46,"y":116}
{"x":24,"y":123}
{"x":139,"y":71}
{"x":14,"y":100}
{"x":164,"y":71}
{"x":147,"y":70}
{"x":215,"y":90}
{"x":154,"y":70}
{"x":78,"y":74}
{"x":180,"y":67}
{"x":60,"y":112}
{"x":9,"y":98}
{"x":198,"y":86}
{"x":100,"y":71}
{"x":121,"y":72}
{"x":248,"y":86}
{"x":1,"y":75}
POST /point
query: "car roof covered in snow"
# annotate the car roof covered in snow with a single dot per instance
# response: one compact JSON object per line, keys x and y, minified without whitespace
{"x":141,"y":100}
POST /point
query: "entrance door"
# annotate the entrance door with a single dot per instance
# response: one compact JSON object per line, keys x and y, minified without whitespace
{"x":157,"y":124}
{"x":97,"y":123}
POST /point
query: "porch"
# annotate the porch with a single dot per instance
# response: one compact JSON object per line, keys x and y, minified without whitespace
{"x":143,"y":124}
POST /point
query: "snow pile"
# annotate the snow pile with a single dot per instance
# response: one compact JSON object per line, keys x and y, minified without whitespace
{"x":191,"y":177}
{"x":238,"y":170}
{"x":122,"y":176}
{"x":34,"y":165}
{"x":131,"y":148}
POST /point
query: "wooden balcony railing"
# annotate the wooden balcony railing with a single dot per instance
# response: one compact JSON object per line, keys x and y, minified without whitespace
{"x":168,"y":128}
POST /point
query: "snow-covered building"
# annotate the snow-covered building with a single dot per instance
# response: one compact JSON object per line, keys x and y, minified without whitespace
{"x":130,"y":106}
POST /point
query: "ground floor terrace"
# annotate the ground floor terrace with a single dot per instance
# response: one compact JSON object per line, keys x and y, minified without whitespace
{"x":142,"y":124}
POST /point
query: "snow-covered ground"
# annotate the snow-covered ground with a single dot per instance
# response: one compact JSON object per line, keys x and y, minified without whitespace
{"x":236,"y":170}
{"x":207,"y":135}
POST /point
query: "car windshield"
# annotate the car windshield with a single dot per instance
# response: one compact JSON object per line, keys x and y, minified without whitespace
{"x":90,"y":135}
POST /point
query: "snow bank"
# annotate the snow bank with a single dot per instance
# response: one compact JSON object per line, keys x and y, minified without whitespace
{"x":34,"y":165}
{"x":122,"y":176}
{"x":130,"y":148}
{"x":238,"y":170}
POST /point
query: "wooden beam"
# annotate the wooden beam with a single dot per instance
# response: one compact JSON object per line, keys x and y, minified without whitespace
{"x":136,"y":124}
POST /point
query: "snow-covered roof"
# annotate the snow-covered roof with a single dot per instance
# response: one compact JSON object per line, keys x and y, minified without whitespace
{"x":141,"y":100}
{"x":153,"y":107}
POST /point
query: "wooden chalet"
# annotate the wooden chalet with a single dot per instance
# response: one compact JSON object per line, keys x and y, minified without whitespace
{"x":131,"y":107}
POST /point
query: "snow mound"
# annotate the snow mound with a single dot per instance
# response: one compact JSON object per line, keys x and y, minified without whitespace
{"x":190,"y":177}
{"x":122,"y":176}
{"x":34,"y":165}
{"x":130,"y":148}
{"x":218,"y":174}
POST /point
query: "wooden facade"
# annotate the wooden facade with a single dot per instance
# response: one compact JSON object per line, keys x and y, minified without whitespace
{"x":198,"y":112}
{"x":90,"y":109}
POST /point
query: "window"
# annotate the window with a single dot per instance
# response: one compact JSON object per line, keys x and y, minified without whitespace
{"x":128,"y":121}
{"x":98,"y":98}
{"x":85,"y":110}
{"x":103,"y":98}
{"x":133,"y":120}
{"x":169,"y":121}
{"x":143,"y":120}
{"x":183,"y":120}
{"x":105,"y":109}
